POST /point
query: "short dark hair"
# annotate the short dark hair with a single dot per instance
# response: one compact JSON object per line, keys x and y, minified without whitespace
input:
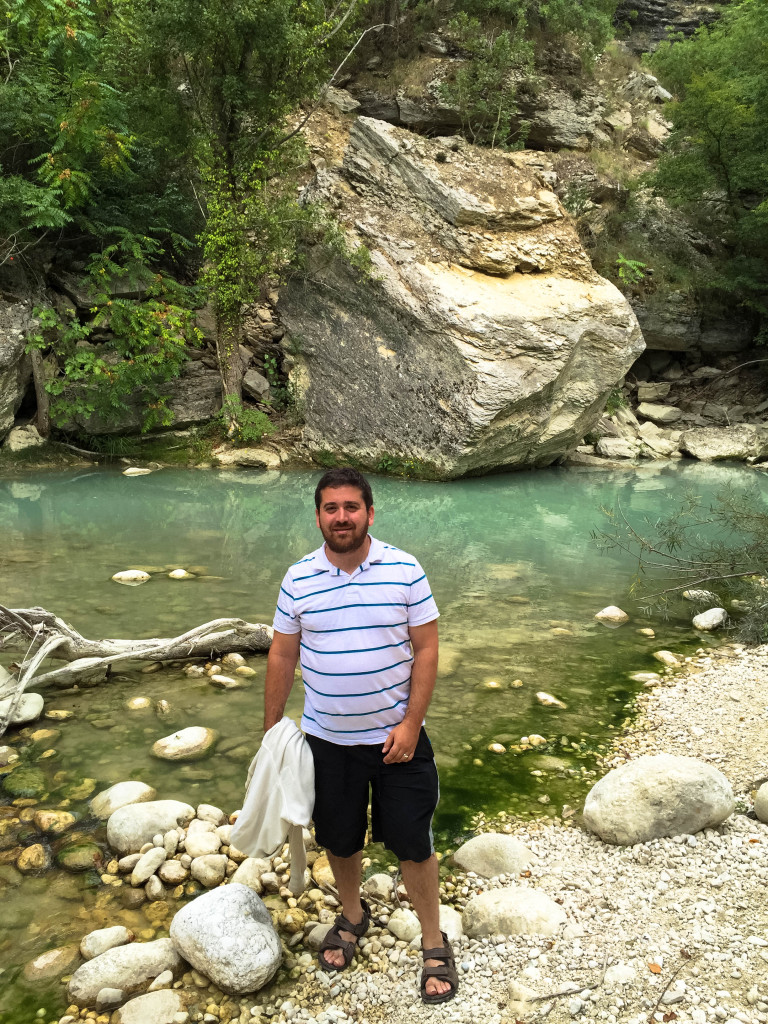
{"x":344,"y":476}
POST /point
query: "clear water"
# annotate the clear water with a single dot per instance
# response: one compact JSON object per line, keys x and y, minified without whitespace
{"x":515,"y":574}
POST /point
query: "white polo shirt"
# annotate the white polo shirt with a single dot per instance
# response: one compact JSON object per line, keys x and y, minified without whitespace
{"x":355,"y":647}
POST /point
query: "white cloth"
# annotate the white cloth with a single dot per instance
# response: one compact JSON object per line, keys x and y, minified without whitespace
{"x":279,"y":797}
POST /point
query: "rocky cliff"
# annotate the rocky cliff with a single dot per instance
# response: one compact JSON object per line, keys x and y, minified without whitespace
{"x":482,"y":341}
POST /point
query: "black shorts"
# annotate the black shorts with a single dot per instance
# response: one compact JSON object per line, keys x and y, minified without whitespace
{"x":403,"y":798}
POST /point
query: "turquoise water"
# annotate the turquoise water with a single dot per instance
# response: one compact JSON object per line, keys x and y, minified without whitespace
{"x":514,"y":571}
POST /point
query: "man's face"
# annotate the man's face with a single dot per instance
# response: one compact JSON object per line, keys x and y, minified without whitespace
{"x":343,"y":518}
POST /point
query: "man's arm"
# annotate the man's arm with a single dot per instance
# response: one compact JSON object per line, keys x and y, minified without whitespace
{"x":281,"y":665}
{"x":403,"y":738}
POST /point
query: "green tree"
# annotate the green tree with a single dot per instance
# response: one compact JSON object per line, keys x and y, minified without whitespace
{"x":715,"y":159}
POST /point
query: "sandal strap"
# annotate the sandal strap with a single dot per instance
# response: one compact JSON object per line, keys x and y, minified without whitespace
{"x":444,"y":971}
{"x":438,"y":953}
{"x":334,"y":941}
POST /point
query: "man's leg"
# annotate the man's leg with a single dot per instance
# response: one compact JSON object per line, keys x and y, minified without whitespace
{"x":421,"y":881}
{"x":347,"y":872}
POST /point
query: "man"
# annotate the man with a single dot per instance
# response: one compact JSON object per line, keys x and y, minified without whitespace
{"x":361,"y":615}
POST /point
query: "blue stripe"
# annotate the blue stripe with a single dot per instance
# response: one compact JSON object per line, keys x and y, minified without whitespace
{"x":356,"y":650}
{"x":285,"y":613}
{"x":348,"y":629}
{"x":367,"y":693}
{"x":372,"y":672}
{"x":354,"y":583}
{"x":361,"y":714}
{"x":320,"y":572}
{"x":412,"y":564}
{"x":301,"y":561}
{"x":349,"y":607}
{"x":416,"y":602}
{"x":373,"y":728}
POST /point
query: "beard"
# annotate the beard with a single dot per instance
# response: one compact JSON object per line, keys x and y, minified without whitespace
{"x":349,"y":540}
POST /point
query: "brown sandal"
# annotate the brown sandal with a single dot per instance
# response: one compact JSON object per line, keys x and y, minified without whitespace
{"x":446,"y":971}
{"x":333,"y":939}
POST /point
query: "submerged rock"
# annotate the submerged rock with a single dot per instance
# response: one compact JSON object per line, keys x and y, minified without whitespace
{"x":99,"y":941}
{"x":655,"y":796}
{"x":711,"y":619}
{"x":188,"y":744}
{"x":612,"y":616}
{"x":52,"y":964}
{"x":132,"y":577}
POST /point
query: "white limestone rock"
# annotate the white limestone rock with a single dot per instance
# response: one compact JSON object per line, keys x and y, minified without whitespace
{"x":131,"y":577}
{"x":739,"y":442}
{"x":227,"y":935}
{"x":189,"y":744}
{"x":711,"y":619}
{"x":120,"y":795}
{"x":172,"y":872}
{"x":667,"y":658}
{"x":547,"y":700}
{"x":130,"y":968}
{"x":130,"y":827}
{"x":657,"y":795}
{"x":210,"y":869}
{"x":659,"y":413}
{"x":160,"y":1007}
{"x":29,"y":708}
{"x":404,"y":925}
{"x":451,"y":923}
{"x":99,"y":941}
{"x":201,"y":844}
{"x":249,"y":873}
{"x":209,"y":812}
{"x":147,"y":865}
{"x":493,"y":853}
{"x":761,"y":803}
{"x":379,"y":886}
{"x":512,"y":911}
{"x":701,"y":596}
{"x":612,"y":616}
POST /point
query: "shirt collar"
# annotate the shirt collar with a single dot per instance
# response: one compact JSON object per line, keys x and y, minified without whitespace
{"x":375,"y":554}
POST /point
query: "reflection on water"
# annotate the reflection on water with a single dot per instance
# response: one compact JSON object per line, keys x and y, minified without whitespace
{"x":512,"y":566}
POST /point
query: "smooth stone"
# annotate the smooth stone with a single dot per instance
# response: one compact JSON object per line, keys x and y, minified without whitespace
{"x":451,"y":923}
{"x":761,"y":803}
{"x":32,"y":859}
{"x":249,"y":873}
{"x":667,"y":658}
{"x":315,"y":938}
{"x":493,"y":853}
{"x":225,"y":682}
{"x":612,"y":616}
{"x":188,"y":744}
{"x":227,"y":935}
{"x":711,"y":619}
{"x":379,"y":886}
{"x":52,"y":964}
{"x":136,"y":471}
{"x":233,"y":660}
{"x":154,"y":889}
{"x":138,"y":703}
{"x":99,"y":941}
{"x":147,"y":865}
{"x":130,"y":968}
{"x":181,"y":574}
{"x":322,"y":873}
{"x":54,"y":821}
{"x":172,"y":872}
{"x":162,"y":981}
{"x":512,"y":911}
{"x":121,"y":795}
{"x":548,"y":701}
{"x":161,"y":1007}
{"x":200,"y":844}
{"x":209,"y":812}
{"x":29,"y":708}
{"x":210,"y":869}
{"x":657,"y":795}
{"x":109,"y":998}
{"x":79,"y":856}
{"x":404,"y":925}
{"x":131,"y":826}
{"x":131,"y":576}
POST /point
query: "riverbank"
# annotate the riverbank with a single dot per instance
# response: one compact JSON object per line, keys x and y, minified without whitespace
{"x":673,"y":929}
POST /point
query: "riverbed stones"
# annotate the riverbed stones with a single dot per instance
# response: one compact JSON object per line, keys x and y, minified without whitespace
{"x":701,"y":596}
{"x":52,"y":964}
{"x":147,"y":865}
{"x":547,"y":700}
{"x":249,"y":873}
{"x":612,"y":616}
{"x":667,"y":658}
{"x":80,"y":855}
{"x":54,"y":822}
{"x":713,"y":443}
{"x":227,"y":935}
{"x":99,"y":941}
{"x":493,"y":853}
{"x":29,"y":708}
{"x":659,"y":413}
{"x":190,"y":744}
{"x":121,"y":795}
{"x":132,"y":577}
{"x":761,"y":803}
{"x":656,"y":796}
{"x":130,"y":968}
{"x":33,"y":859}
{"x":209,"y":870}
{"x":513,"y":911}
{"x":172,"y":872}
{"x":200,"y":844}
{"x":130,"y":827}
{"x":404,"y":924}
{"x":711,"y":619}
{"x":161,"y":1007}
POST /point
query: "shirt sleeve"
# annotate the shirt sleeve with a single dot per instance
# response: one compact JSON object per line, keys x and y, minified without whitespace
{"x":421,"y":604}
{"x":286,"y":620}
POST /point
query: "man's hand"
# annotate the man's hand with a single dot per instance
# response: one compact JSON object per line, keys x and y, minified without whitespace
{"x":401,"y":742}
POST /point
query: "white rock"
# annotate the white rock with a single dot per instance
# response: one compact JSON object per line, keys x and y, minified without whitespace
{"x":188,"y":744}
{"x":249,"y":873}
{"x":493,"y":853}
{"x":147,"y":865}
{"x":612,"y":616}
{"x":129,"y":968}
{"x":120,"y":795}
{"x":164,"y":980}
{"x":233,"y":660}
{"x":404,"y":925}
{"x":154,"y":889}
{"x":181,"y":574}
{"x":136,"y":471}
{"x":657,"y":795}
{"x":713,"y":618}
{"x":227,"y":935}
{"x":549,"y":701}
{"x":138,"y":703}
{"x":200,"y":844}
{"x":29,"y":708}
{"x":620,"y":974}
{"x":761,"y":803}
{"x":23,"y":437}
{"x":172,"y":872}
{"x":210,"y":869}
{"x":667,"y":658}
{"x":209,"y":812}
{"x":151,"y":1008}
{"x":520,"y":999}
{"x":109,"y":998}
{"x":131,"y":576}
{"x":658,"y":413}
{"x":97,"y":942}
{"x":130,"y":827}
{"x":512,"y":911}
{"x":451,"y":923}
{"x":379,"y":885}
{"x":314,"y":939}
{"x":701,"y":596}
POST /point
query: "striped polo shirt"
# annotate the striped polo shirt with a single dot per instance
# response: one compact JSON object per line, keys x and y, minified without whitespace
{"x":355,"y":647}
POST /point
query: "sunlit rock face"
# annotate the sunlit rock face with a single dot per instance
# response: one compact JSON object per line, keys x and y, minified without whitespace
{"x":482,"y":340}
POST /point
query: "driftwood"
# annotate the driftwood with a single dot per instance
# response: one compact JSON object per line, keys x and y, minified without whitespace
{"x":43,"y":633}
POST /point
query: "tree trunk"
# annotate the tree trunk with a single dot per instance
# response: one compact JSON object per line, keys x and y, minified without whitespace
{"x":228,"y":333}
{"x":43,"y":398}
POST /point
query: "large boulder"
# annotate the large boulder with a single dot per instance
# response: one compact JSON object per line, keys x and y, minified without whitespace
{"x":514,"y":911}
{"x":493,"y":853}
{"x":740,"y":442}
{"x":15,"y":365}
{"x":128,"y":968}
{"x":135,"y":824}
{"x":121,"y":795}
{"x":482,"y":340}
{"x":227,"y":935}
{"x":657,"y":795}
